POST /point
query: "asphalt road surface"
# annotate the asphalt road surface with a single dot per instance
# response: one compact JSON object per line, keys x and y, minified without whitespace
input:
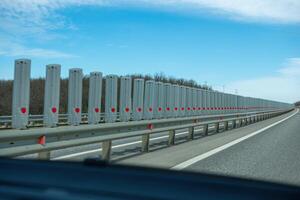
{"x":268,"y":150}
{"x":274,"y":154}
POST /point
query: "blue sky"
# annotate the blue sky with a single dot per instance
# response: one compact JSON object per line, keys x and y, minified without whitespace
{"x":251,"y":48}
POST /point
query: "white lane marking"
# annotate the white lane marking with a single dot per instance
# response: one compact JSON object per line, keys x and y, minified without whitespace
{"x":221,"y":148}
{"x":116,"y":146}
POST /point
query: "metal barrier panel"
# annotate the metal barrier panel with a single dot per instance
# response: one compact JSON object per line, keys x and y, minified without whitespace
{"x":176,"y":100}
{"x":149,"y":99}
{"x":111,"y":95}
{"x":21,"y":90}
{"x":95,"y":94}
{"x":169,"y":95}
{"x":75,"y":96}
{"x":199,"y":101}
{"x":194,"y":101}
{"x":52,"y":91}
{"x":138,"y":99}
{"x":182,"y":100}
{"x":227,"y":103}
{"x":159,"y":106}
{"x":203,"y":104}
{"x":235,"y":103}
{"x":189,"y":105}
{"x":209,"y":103}
{"x":212,"y":100}
{"x":221,"y":102}
{"x":218,"y":102}
{"x":125,"y":99}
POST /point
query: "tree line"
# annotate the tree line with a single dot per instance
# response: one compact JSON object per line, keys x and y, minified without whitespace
{"x":37,"y":87}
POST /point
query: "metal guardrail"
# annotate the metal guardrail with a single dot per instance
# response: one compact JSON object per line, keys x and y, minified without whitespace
{"x":44,"y":140}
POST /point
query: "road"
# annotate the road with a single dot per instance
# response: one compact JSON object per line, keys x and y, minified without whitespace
{"x":273,"y":154}
{"x":268,"y":150}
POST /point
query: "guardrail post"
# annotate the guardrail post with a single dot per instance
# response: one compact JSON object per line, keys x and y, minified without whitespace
{"x":95,"y":94}
{"x":217,"y":127}
{"x":52,"y":91}
{"x":125,"y":99}
{"x":226,"y":125}
{"x":145,"y":142}
{"x":75,"y":96}
{"x":106,"y":150}
{"x":233,"y":124}
{"x":45,"y":155}
{"x":205,"y":129}
{"x":111,"y":94}
{"x":21,"y":91}
{"x":191,"y":131}
{"x":242,"y":122}
{"x":171,"y":137}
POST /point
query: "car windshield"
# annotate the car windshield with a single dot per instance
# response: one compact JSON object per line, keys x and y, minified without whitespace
{"x":185,"y":85}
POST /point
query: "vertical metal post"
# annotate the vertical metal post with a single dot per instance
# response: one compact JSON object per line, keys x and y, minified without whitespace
{"x":208,"y":102}
{"x":106,"y":150}
{"x":95,"y":94}
{"x":226,"y":125}
{"x":205,"y":129}
{"x":189,"y":105}
{"x":194,"y":101}
{"x":171,"y":140}
{"x":218,"y":127}
{"x":182,"y":100}
{"x":149,"y":99}
{"x":145,"y":142}
{"x":21,"y":90}
{"x":200,"y":101}
{"x":169,"y":97}
{"x":176,"y":100}
{"x":111,"y":95}
{"x":204,"y":99}
{"x":75,"y":96}
{"x":159,"y":106}
{"x":191,"y":133}
{"x":44,"y":155}
{"x":138,"y":99}
{"x":125,"y":99}
{"x":51,"y":98}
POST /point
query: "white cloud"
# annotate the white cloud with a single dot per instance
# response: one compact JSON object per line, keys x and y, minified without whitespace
{"x":284,"y":86}
{"x":41,"y":14}
{"x":38,"y":19}
{"x":9,"y":48}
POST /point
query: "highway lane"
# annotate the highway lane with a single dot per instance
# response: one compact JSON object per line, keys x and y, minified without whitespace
{"x":271,"y":155}
{"x":267,"y":150}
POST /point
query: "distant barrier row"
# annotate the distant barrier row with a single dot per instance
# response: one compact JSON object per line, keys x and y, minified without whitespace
{"x":135,"y":100}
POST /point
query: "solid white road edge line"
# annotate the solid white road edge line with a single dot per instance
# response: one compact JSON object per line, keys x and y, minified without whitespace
{"x":221,"y":148}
